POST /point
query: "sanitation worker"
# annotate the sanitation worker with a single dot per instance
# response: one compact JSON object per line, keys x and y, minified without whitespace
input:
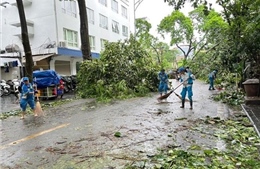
{"x":163,"y":85}
{"x":212,"y":77}
{"x":27,"y":96}
{"x":187,"y":79}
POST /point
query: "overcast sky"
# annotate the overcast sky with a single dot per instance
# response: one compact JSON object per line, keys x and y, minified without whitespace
{"x":155,"y":11}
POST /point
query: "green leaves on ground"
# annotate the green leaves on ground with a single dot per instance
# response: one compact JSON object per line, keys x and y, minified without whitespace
{"x":241,"y":148}
{"x":117,"y":134}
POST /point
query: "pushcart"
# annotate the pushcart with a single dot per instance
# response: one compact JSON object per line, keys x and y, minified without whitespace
{"x":47,"y":82}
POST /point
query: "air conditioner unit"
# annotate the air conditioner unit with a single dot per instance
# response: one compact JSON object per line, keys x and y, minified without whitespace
{"x":62,"y":44}
{"x":12,"y":48}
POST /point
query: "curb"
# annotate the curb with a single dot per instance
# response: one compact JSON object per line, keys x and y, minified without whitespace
{"x":246,"y":110}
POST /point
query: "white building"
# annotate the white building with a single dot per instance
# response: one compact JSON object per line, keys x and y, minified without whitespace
{"x":54,"y":31}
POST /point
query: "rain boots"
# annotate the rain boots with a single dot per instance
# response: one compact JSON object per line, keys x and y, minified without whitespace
{"x":191,"y":104}
{"x":182,"y":103}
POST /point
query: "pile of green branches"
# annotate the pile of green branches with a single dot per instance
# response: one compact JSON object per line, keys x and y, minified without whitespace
{"x":124,"y":70}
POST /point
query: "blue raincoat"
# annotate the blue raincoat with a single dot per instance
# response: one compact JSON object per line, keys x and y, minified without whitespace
{"x":27,"y":96}
{"x":163,"y":85}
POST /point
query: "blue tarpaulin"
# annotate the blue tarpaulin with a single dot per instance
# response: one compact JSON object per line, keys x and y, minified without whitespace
{"x":46,"y":78}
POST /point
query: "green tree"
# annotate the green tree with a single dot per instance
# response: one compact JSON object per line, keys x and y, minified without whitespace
{"x":151,"y":43}
{"x":148,"y":41}
{"x":238,"y":44}
{"x":143,"y":28}
{"x":199,"y":30}
{"x":178,"y":4}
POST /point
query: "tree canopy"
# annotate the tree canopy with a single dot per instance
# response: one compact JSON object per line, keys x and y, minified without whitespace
{"x":231,"y":35}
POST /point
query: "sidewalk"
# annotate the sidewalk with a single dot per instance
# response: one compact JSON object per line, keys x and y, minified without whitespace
{"x":253,"y":113}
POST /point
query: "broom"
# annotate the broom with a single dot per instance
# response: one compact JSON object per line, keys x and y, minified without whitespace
{"x":180,"y":96}
{"x":38,"y":107}
{"x":168,"y":94}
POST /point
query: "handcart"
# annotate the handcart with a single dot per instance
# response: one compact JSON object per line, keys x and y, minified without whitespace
{"x":47,"y":82}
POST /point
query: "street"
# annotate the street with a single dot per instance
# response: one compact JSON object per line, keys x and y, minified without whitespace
{"x":81,"y":132}
{"x":9,"y":103}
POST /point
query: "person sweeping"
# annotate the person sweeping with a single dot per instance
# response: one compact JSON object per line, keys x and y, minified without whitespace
{"x":187,"y":78}
{"x":27,"y":97}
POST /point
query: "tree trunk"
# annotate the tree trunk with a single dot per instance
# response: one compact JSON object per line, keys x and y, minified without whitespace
{"x":85,"y":46}
{"x":25,"y":40}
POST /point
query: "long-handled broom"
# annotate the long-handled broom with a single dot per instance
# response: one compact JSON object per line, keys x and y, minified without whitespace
{"x":180,"y":96}
{"x":168,"y":94}
{"x":38,"y":107}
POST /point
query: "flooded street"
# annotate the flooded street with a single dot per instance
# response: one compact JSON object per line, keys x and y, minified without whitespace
{"x":81,"y":133}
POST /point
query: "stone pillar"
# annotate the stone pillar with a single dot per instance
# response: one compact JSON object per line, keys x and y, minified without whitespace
{"x":73,"y":70}
{"x":52,"y":64}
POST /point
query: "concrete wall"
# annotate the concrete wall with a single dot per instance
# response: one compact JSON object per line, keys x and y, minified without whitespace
{"x":12,"y":74}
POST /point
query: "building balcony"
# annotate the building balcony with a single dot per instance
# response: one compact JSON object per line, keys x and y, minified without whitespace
{"x":30,"y":28}
{"x":17,"y":31}
{"x":25,"y":2}
{"x":18,"y":24}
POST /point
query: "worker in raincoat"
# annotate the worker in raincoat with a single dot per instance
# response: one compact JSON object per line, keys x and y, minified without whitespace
{"x":163,"y":85}
{"x":212,"y":77}
{"x":27,"y":96}
{"x":187,"y":79}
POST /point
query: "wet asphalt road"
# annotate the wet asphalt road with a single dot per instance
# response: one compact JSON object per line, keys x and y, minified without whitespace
{"x":82,"y":132}
{"x":9,"y":103}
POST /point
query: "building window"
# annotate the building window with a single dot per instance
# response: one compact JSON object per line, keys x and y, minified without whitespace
{"x":91,"y":18}
{"x":103,"y":21}
{"x":114,"y":6}
{"x":103,"y":42}
{"x":124,"y":11}
{"x":71,"y":37}
{"x":125,"y":30}
{"x":103,"y":2}
{"x":115,"y":26}
{"x":69,"y":7}
{"x":92,"y":42}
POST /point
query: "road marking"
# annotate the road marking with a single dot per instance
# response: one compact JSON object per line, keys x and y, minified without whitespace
{"x":33,"y":136}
